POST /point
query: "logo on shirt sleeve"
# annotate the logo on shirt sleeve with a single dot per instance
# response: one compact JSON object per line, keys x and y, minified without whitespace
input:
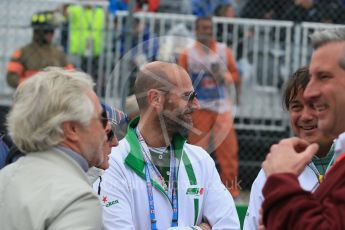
{"x":107,"y":203}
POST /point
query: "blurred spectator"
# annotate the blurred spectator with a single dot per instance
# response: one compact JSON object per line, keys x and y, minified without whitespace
{"x":310,"y":11}
{"x":9,"y":152}
{"x":212,"y":68}
{"x":146,"y":5}
{"x":63,"y":15}
{"x":178,"y":38}
{"x":3,"y":113}
{"x":86,"y":34}
{"x":225,"y":11}
{"x":207,"y":7}
{"x":228,"y":11}
{"x":140,"y":51}
{"x":238,"y":6}
{"x":131,"y":107}
{"x":5,"y":145}
{"x":143,"y":48}
{"x":264,"y":9}
{"x":176,"y":6}
{"x":140,"y":5}
{"x":39,"y":53}
{"x":261,"y":9}
{"x":115,"y":5}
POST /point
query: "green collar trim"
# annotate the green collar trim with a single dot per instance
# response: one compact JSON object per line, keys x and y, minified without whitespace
{"x":135,"y":159}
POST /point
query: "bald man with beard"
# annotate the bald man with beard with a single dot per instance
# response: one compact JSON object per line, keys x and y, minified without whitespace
{"x":156,"y":180}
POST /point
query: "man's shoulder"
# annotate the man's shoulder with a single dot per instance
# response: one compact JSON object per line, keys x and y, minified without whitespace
{"x":193,"y":148}
{"x":51,"y":164}
{"x":259,"y":181}
{"x":222,"y":46}
{"x":32,"y":171}
{"x":196,"y":153}
{"x":121,"y":151}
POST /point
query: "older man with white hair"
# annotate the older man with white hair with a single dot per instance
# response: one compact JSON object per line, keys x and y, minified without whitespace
{"x":57,"y":121}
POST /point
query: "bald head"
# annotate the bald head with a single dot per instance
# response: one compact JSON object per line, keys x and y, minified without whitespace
{"x":156,"y":75}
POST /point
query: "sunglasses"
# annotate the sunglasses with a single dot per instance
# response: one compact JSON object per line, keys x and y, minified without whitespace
{"x":189,"y":97}
{"x":104,"y":119}
{"x":111,"y":133}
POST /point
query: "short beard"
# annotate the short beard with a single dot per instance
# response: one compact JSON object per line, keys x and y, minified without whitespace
{"x":175,"y":125}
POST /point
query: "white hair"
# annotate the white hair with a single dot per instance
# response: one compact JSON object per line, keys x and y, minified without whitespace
{"x":323,"y":37}
{"x":44,"y":102}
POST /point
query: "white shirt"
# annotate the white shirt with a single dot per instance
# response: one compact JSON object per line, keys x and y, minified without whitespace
{"x":125,"y":201}
{"x":307,"y":179}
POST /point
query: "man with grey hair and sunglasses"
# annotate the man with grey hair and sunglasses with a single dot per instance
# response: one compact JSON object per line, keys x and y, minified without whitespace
{"x":156,"y":180}
{"x":56,"y":119}
{"x":287,"y":205}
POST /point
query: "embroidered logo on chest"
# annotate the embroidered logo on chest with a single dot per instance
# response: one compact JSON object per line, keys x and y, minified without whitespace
{"x":195,"y":191}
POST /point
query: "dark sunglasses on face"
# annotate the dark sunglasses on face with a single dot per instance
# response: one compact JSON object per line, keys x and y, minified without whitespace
{"x":113,"y":123}
{"x":111,"y":133}
{"x":187,"y":97}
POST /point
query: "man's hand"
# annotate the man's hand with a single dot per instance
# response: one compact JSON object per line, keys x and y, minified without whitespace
{"x":289,"y":156}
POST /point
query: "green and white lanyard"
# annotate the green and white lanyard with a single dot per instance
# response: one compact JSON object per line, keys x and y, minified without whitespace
{"x":151,"y":169}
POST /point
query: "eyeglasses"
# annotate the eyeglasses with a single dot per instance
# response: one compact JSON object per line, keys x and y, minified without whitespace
{"x":189,"y":97}
{"x":110,"y":135}
{"x":114,"y":124}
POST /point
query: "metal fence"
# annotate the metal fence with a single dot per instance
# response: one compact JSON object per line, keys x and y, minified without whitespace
{"x":263,"y":55}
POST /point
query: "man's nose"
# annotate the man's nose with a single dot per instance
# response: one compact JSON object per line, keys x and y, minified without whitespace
{"x":308,"y":113}
{"x":108,"y":127}
{"x":312,"y":90}
{"x":195,"y":103}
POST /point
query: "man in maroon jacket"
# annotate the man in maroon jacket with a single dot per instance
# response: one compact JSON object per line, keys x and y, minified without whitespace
{"x":287,"y":205}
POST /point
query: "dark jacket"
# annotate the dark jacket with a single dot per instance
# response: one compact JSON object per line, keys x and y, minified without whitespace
{"x":288,"y":206}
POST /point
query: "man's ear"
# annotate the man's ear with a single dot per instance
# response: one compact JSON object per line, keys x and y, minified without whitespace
{"x":70,"y":129}
{"x":154,"y":98}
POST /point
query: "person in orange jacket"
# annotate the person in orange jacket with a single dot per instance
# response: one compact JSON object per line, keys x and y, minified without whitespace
{"x":212,"y":68}
{"x":39,"y":53}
